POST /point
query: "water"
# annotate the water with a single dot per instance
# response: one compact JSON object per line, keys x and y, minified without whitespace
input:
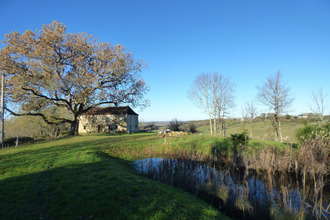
{"x":239,"y":193}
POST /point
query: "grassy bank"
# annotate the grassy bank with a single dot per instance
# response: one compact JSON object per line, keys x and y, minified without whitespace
{"x":75,"y":178}
{"x":155,"y":145}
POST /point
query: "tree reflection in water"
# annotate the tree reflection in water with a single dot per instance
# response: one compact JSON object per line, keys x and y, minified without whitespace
{"x":239,"y":193}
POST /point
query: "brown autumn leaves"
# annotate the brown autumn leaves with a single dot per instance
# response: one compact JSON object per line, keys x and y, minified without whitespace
{"x":52,"y":69}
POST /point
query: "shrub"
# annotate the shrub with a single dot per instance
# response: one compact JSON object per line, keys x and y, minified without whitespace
{"x":192,"y":128}
{"x":311,"y":131}
{"x":288,"y":117}
{"x":221,"y":147}
{"x":240,"y":139}
{"x":21,"y":140}
{"x":174,"y":125}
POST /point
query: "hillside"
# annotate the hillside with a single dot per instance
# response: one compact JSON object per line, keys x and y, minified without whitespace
{"x":73,"y":178}
{"x":261,"y":130}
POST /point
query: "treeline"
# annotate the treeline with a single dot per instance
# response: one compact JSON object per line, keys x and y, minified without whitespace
{"x":214,"y":94}
{"x":33,"y":128}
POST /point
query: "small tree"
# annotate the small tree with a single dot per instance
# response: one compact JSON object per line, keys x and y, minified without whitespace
{"x":200,"y":93}
{"x":319,"y":104}
{"x":174,"y":125}
{"x":213,"y":92}
{"x":276,"y":95}
{"x":192,"y":128}
{"x":251,"y":113}
{"x":223,"y":99}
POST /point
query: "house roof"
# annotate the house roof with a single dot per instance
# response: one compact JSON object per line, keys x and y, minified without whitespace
{"x":123,"y":110}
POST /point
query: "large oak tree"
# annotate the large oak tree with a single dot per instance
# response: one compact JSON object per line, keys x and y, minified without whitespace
{"x":51,"y":68}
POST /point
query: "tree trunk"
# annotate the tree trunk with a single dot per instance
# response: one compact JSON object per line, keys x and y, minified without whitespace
{"x":251,"y":132}
{"x":224,"y":127}
{"x":278,"y":128}
{"x":74,"y":127}
{"x":280,"y":131}
{"x":219,"y":120}
{"x":215,"y":125}
{"x":210,"y":117}
{"x":210,"y":124}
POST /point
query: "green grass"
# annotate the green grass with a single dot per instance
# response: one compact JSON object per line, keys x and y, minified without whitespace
{"x":75,"y":178}
{"x":153,"y":146}
{"x":261,"y":130}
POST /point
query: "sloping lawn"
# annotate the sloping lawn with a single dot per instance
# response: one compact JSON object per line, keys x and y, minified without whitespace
{"x":73,"y":178}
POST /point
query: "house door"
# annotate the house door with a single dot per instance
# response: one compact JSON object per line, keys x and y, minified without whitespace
{"x":99,"y":128}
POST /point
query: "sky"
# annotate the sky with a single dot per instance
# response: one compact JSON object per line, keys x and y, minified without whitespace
{"x":246,"y":41}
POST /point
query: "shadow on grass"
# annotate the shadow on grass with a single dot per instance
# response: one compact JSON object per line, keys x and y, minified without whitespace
{"x":97,"y":188}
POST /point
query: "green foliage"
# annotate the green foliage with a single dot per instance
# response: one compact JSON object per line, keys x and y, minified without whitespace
{"x":192,"y":128}
{"x":12,"y":141}
{"x":311,"y":131}
{"x":174,"y":125}
{"x":240,"y":139}
{"x":221,"y":146}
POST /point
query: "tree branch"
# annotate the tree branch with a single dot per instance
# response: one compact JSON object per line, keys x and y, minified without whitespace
{"x":44,"y":117}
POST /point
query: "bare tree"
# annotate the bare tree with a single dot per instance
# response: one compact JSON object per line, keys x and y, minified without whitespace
{"x":200,"y":93}
{"x":214,"y":93}
{"x":276,"y":95}
{"x":251,"y":114}
{"x":223,"y":98}
{"x":319,"y":104}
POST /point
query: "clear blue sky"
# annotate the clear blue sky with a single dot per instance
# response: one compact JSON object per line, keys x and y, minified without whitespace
{"x":244,"y":40}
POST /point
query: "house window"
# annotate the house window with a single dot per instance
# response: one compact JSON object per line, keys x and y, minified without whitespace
{"x":84,"y":127}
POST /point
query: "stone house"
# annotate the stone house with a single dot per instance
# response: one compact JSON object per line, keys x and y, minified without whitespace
{"x":109,"y":119}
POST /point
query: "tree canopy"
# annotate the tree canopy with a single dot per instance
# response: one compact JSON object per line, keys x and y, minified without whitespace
{"x":72,"y":71}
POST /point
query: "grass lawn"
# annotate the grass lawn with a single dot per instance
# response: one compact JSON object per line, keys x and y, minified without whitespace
{"x":76,"y":178}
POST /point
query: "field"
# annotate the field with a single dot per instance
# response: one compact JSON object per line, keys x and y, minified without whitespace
{"x":91,"y":176}
{"x":261,"y":129}
{"x":75,"y":178}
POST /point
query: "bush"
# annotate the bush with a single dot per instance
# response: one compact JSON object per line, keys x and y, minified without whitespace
{"x":221,"y":147}
{"x":192,"y":128}
{"x":311,"y":131}
{"x":288,"y":117}
{"x":240,"y":139}
{"x":21,"y":140}
{"x":174,"y":125}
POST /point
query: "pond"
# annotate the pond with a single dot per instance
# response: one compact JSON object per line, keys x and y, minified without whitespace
{"x":239,"y":193}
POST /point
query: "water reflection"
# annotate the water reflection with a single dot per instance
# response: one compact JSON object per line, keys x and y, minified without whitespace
{"x":239,"y":193}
